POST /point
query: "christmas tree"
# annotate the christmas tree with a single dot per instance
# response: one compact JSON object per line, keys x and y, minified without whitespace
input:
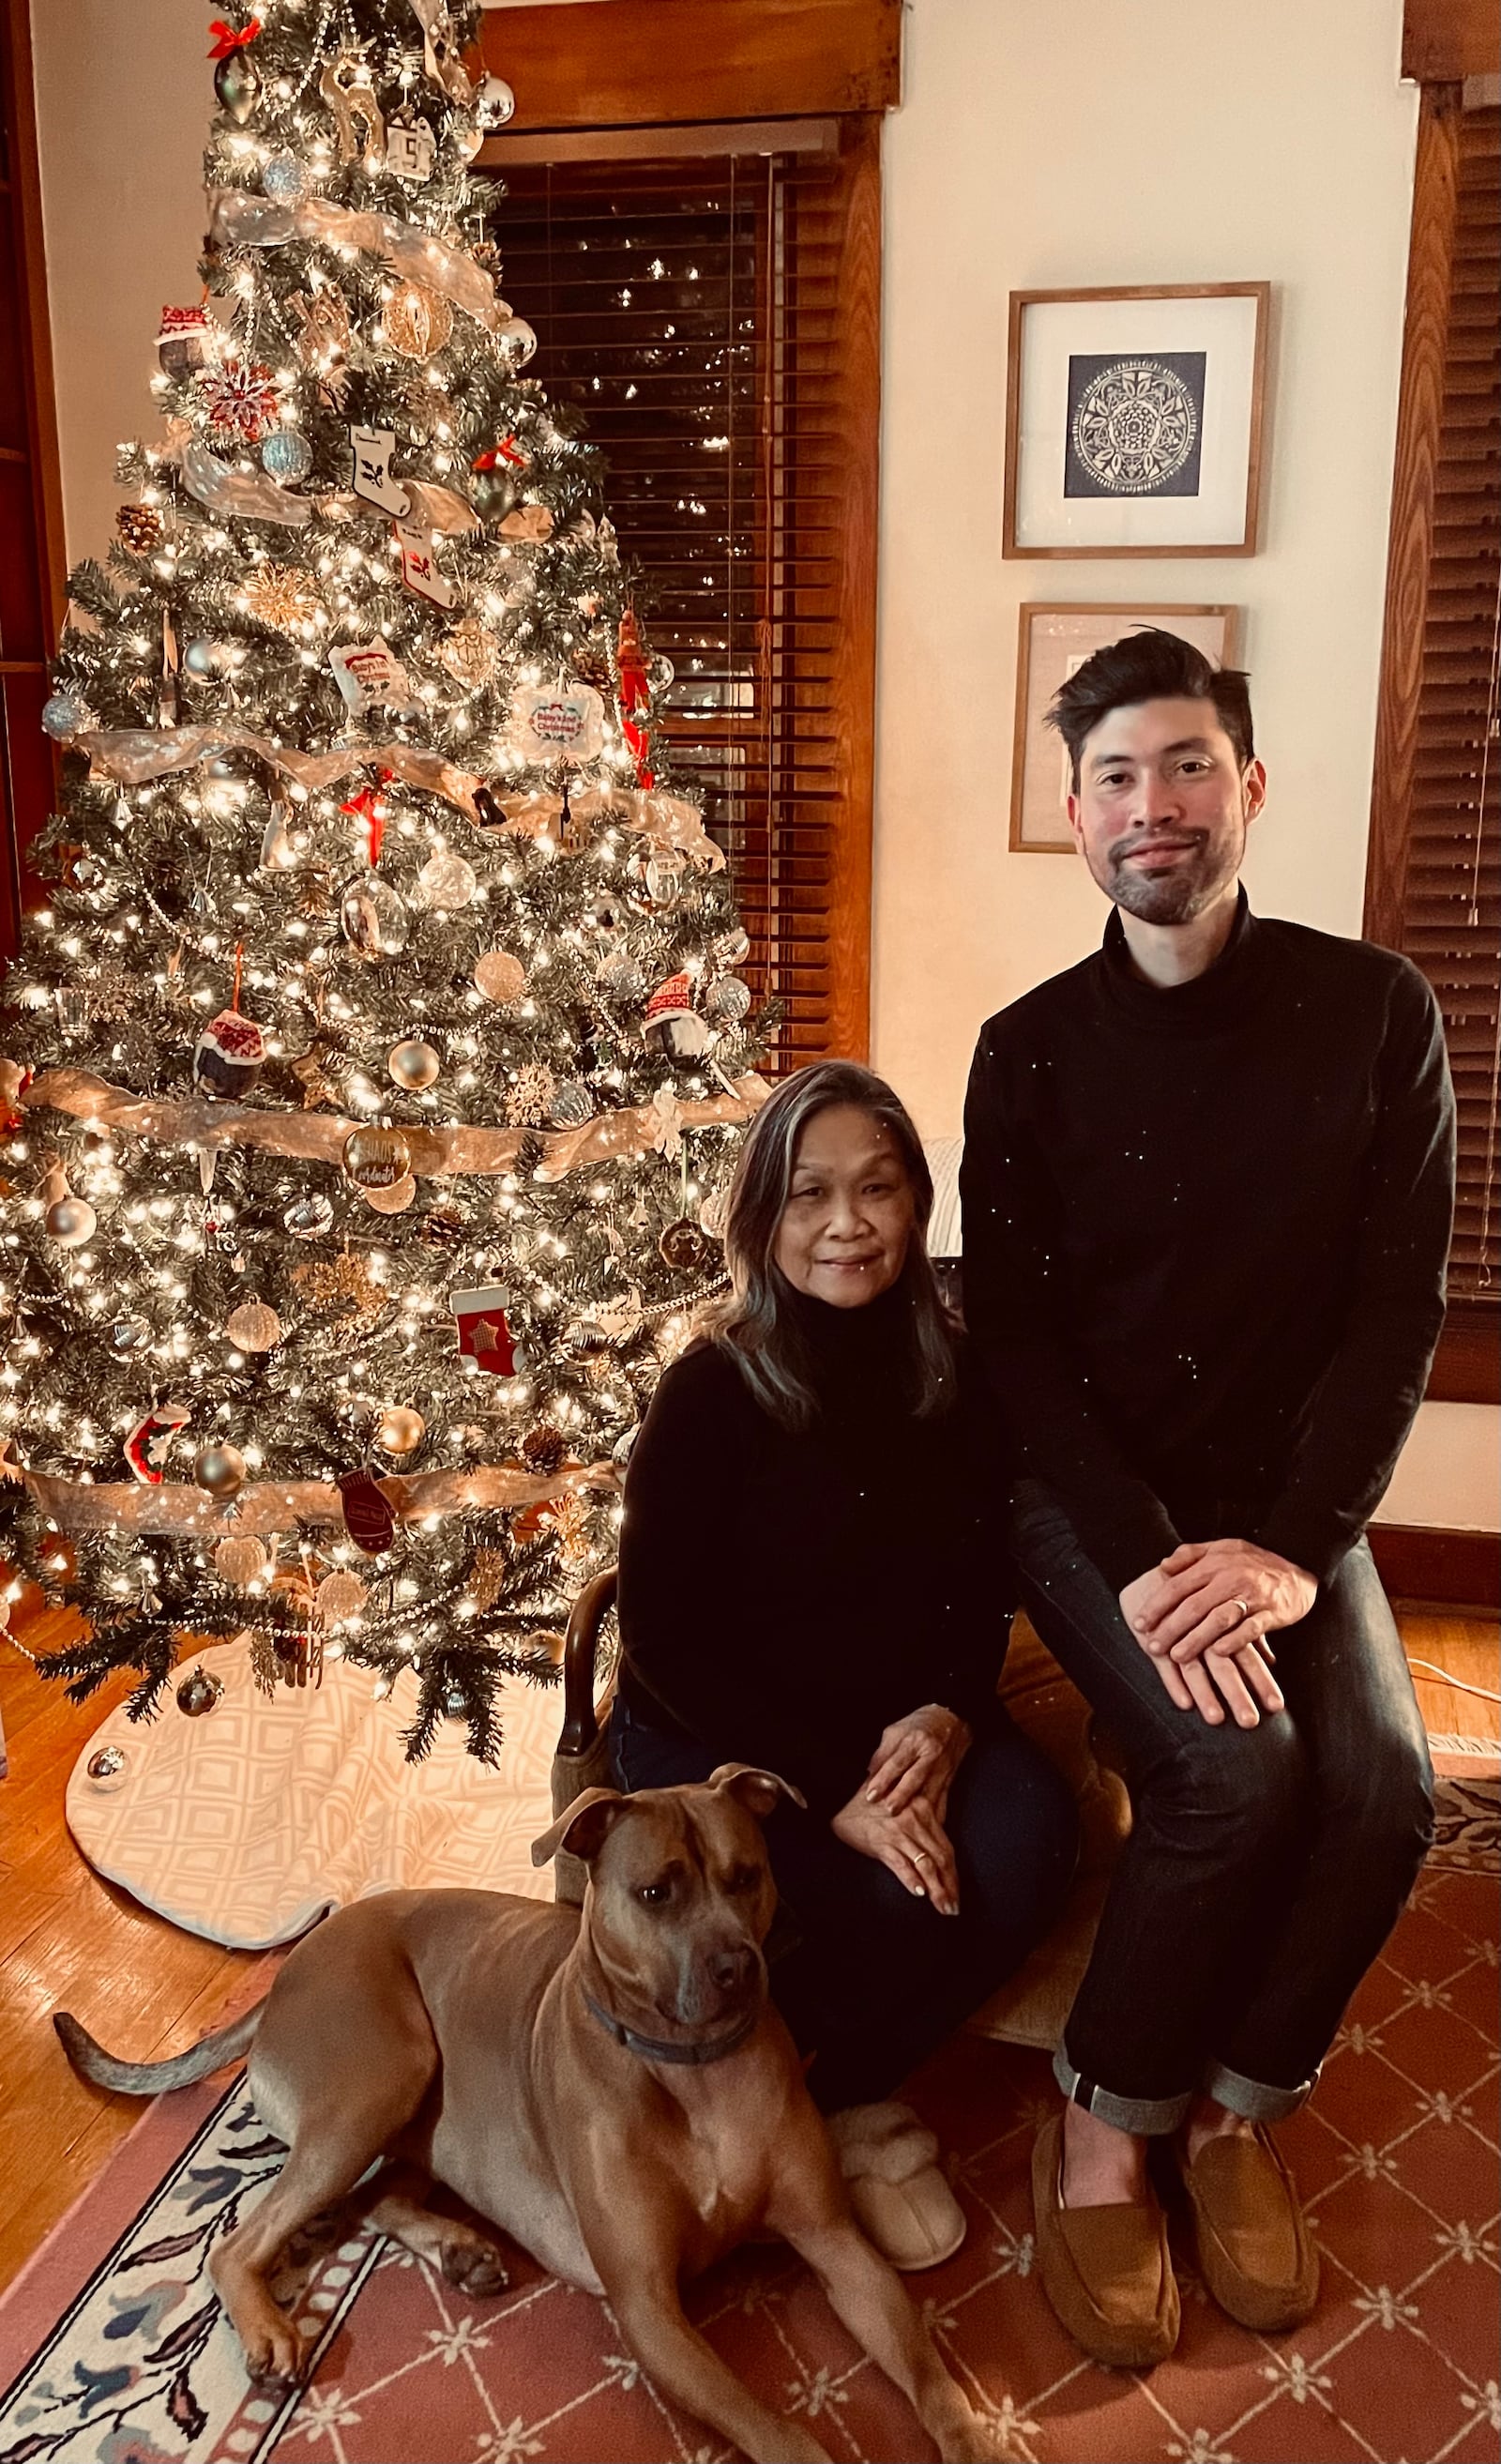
{"x":378,"y":1063}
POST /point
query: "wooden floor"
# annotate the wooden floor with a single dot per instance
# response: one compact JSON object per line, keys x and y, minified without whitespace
{"x":69,"y":1941}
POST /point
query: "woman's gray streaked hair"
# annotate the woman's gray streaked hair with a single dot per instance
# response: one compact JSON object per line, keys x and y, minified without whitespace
{"x":755,"y":1322}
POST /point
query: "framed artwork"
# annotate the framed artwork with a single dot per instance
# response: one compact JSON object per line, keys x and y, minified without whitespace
{"x":1055,"y":641}
{"x":1133,"y":421}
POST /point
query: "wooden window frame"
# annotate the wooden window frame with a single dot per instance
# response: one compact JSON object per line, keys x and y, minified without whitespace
{"x":1443,"y":34}
{"x":766,"y":72}
{"x":29,"y":272}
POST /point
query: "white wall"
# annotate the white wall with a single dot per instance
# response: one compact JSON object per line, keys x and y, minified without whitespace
{"x":1040,"y":147}
{"x":123,"y":99}
{"x":1036,"y":146}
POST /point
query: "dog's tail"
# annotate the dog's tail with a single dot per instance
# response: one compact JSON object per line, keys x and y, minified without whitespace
{"x":148,"y":2078}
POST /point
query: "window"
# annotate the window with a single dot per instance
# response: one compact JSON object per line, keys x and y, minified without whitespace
{"x":694,"y":228}
{"x":692,"y":311}
{"x":1434,"y":881}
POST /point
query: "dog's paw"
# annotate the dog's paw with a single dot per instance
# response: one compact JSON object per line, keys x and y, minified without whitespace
{"x":474,"y":2265}
{"x":276,"y":2359}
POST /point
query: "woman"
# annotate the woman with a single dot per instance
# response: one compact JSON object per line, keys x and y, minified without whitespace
{"x":810,"y":1581}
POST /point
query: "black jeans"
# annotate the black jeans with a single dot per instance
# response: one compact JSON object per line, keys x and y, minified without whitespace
{"x":871,"y":1980}
{"x":1266,"y":1866}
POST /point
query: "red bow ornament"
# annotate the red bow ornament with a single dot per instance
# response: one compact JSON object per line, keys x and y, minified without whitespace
{"x":226,"y":42}
{"x":369,"y":808}
{"x":635,"y":697}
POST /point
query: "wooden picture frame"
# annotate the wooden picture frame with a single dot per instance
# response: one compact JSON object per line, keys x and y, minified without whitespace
{"x":1134,"y":420}
{"x":1054,"y":638}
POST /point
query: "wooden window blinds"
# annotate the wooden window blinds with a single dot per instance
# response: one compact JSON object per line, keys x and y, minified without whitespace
{"x":1435,"y":883}
{"x":711,"y":314}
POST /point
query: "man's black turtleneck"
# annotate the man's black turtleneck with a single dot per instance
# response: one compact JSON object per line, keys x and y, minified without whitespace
{"x":1204,"y":1234}
{"x":785,"y":1595}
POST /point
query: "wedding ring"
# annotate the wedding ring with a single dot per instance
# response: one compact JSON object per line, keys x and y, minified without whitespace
{"x":922,"y":1857}
{"x":1244,"y":1607}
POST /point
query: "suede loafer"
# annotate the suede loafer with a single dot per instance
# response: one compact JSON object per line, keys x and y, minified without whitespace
{"x":1254,"y":2249}
{"x":1107,"y":2271}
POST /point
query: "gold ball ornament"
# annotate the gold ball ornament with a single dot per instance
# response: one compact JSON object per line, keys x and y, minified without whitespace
{"x":255,"y":1326}
{"x":240,"y":1561}
{"x":399,"y":1430}
{"x":418,"y":321}
{"x":338,"y":1599}
{"x":500,"y":977}
{"x":220,"y":1469}
{"x":413,"y":1064}
{"x":70,"y":1222}
{"x":394,"y":1201}
{"x":199,"y":1692}
{"x":377,"y":1158}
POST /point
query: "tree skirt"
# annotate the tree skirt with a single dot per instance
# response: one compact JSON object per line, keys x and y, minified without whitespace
{"x":113,"y":2350}
{"x":247,"y":1823}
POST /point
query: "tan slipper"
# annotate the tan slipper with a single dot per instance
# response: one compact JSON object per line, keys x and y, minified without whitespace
{"x":1106,"y":2270}
{"x":901,"y":2200}
{"x":1254,"y":2249}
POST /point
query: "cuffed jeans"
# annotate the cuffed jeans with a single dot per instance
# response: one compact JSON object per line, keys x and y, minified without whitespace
{"x":1265,"y":1867}
{"x":869,"y":1978}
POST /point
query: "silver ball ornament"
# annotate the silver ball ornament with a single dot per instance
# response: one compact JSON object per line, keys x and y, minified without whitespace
{"x":286,"y":179}
{"x":729,"y":999}
{"x":63,"y":716}
{"x":571,"y":1104}
{"x":107,"y":1764}
{"x":199,"y":1692}
{"x":447,"y":881}
{"x":71,"y":1222}
{"x":203,"y":658}
{"x":287,"y":456}
{"x":220,"y":1469}
{"x":130,"y":1334}
{"x":495,"y":104}
{"x":413,"y":1064}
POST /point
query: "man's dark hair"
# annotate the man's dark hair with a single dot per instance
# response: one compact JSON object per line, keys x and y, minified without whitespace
{"x":1150,"y":665}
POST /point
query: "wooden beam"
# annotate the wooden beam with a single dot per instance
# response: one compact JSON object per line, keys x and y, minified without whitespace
{"x":1443,"y":41}
{"x":1420,"y":412}
{"x":618,"y":64}
{"x":1455,"y":1570}
{"x":858,"y":354}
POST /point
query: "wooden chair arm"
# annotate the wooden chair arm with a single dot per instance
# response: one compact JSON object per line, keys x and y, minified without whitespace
{"x":580,"y":1726}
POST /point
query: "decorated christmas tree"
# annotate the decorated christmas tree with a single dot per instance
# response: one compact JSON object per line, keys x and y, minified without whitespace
{"x":378,"y":1061}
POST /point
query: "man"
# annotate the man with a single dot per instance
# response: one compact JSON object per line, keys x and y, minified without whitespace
{"x":1208,"y":1185}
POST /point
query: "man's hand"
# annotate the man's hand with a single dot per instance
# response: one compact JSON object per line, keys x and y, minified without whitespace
{"x":918,"y":1756}
{"x":912,"y":1844}
{"x":1204,"y":1614}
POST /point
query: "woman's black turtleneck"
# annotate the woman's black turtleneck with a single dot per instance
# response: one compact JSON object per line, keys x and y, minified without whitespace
{"x":1204,"y":1232}
{"x":783,"y":1595}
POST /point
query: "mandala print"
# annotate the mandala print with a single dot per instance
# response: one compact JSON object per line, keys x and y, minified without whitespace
{"x":1135,"y":428}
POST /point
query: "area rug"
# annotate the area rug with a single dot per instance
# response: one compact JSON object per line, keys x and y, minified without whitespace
{"x":117,"y":2352}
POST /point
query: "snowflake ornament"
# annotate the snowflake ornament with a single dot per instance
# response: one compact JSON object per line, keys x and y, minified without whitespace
{"x":529,"y":1098}
{"x":240,"y":399}
{"x":281,"y":595}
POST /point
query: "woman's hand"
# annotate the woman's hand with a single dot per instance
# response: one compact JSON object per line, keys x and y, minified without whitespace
{"x":918,"y":1758}
{"x":912,"y":1844}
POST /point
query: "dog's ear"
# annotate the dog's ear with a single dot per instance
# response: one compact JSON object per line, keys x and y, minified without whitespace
{"x":583,"y":1827}
{"x":756,"y":1790}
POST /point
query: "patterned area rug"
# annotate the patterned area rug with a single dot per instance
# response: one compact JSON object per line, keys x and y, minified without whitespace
{"x":119,"y":2354}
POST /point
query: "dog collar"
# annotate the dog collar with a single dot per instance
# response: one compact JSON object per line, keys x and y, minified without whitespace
{"x":653,"y":2049}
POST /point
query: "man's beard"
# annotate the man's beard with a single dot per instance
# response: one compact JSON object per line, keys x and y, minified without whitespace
{"x":1181,"y":894}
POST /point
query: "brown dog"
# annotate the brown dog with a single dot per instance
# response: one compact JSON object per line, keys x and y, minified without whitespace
{"x":611,"y":2086}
